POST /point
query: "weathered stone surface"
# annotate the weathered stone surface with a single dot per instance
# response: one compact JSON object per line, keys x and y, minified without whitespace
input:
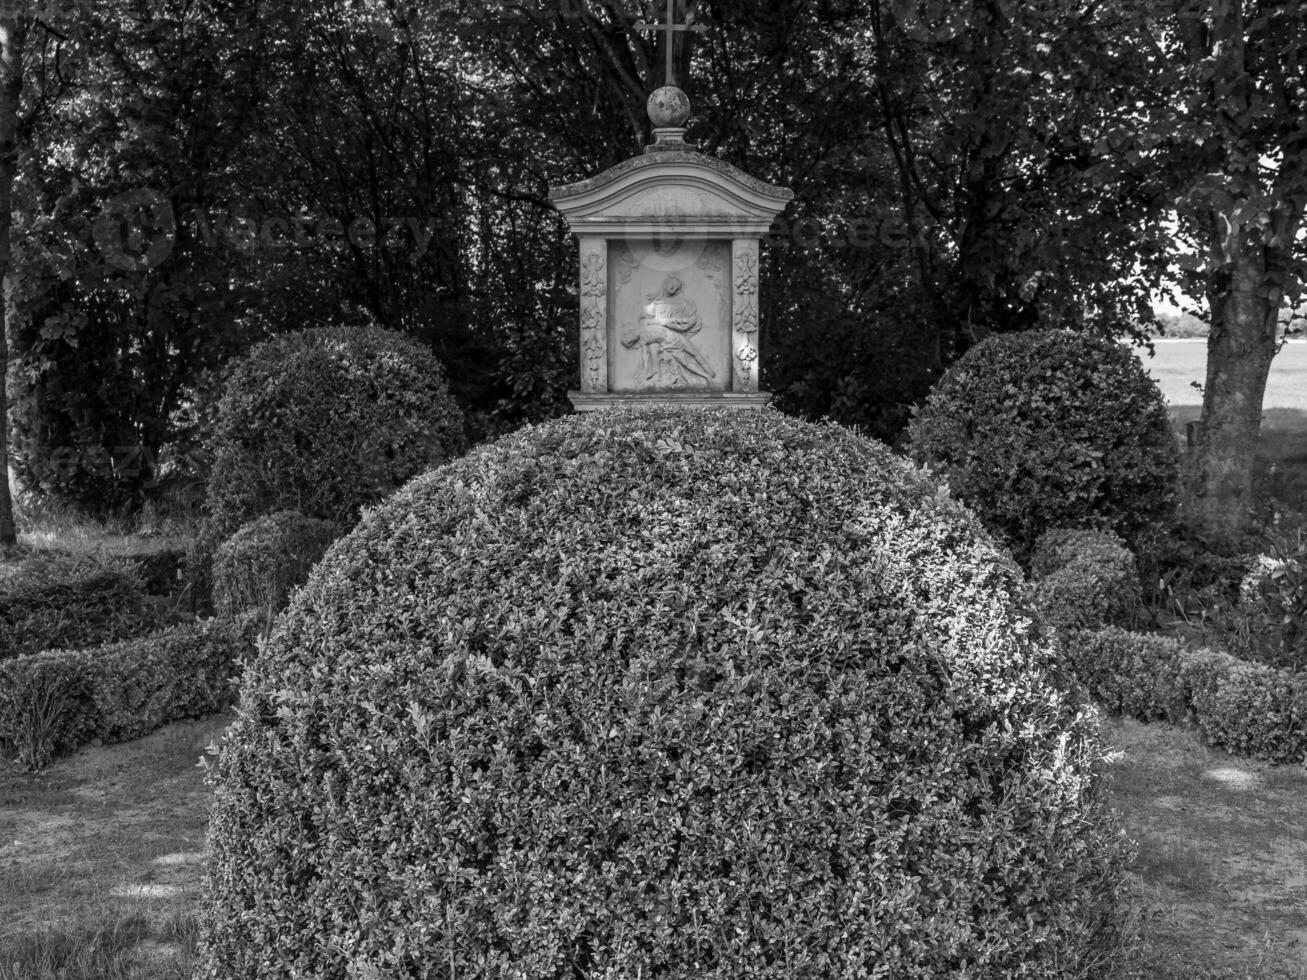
{"x":668,"y":106}
{"x":715,"y":171}
{"x":689,"y":399}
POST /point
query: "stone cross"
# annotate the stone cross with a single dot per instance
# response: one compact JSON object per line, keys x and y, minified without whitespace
{"x":670,"y":28}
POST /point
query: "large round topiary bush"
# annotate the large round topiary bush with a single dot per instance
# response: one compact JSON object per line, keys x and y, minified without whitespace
{"x":326,"y":421}
{"x":701,"y":694}
{"x":1051,"y":428}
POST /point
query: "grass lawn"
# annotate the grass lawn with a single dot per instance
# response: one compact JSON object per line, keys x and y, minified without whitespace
{"x":99,"y":859}
{"x":1221,"y":872}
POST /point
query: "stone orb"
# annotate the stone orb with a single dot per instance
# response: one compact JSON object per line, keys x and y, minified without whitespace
{"x":669,"y":106}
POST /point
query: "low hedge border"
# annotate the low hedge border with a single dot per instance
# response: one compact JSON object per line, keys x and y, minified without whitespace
{"x":56,"y":600}
{"x":1243,"y":707}
{"x":57,"y":700}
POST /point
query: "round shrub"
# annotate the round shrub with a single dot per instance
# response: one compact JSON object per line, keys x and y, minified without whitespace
{"x":1084,"y":579}
{"x":327,"y":421}
{"x":1051,"y":428}
{"x":666,"y":693}
{"x":261,"y":564}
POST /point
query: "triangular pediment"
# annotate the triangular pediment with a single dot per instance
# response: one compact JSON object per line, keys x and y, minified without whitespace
{"x":680,"y":188}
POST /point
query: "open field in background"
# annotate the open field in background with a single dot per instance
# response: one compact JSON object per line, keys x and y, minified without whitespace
{"x":99,"y":859}
{"x":1176,"y":363}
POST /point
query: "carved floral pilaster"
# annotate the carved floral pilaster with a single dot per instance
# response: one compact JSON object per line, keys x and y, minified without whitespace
{"x":594,"y":314}
{"x":744,"y":326}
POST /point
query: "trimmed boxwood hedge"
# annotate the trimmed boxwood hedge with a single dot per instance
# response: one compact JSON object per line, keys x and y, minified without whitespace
{"x":57,"y":600}
{"x":54,"y":701}
{"x":1084,"y":579}
{"x":326,"y":421}
{"x":1242,"y":707}
{"x":1050,"y":428}
{"x":258,"y":566}
{"x":664,"y":693}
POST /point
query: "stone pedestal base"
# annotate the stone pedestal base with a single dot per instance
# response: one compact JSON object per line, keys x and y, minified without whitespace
{"x":586,"y":401}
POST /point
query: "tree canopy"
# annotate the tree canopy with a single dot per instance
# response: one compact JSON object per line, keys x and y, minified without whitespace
{"x":190,"y":177}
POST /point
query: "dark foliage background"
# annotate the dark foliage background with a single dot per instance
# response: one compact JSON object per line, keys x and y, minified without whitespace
{"x":196,"y":176}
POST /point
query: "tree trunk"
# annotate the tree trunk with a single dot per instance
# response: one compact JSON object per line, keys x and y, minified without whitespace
{"x":12,"y":36}
{"x":1244,"y":307}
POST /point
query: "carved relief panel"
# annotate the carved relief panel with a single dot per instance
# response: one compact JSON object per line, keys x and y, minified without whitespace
{"x":670,"y":317}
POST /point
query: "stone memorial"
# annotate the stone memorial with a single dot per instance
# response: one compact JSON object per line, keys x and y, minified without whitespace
{"x":669,"y":271}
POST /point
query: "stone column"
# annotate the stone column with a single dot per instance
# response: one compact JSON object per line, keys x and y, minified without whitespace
{"x":744,"y":326}
{"x":594,"y":314}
